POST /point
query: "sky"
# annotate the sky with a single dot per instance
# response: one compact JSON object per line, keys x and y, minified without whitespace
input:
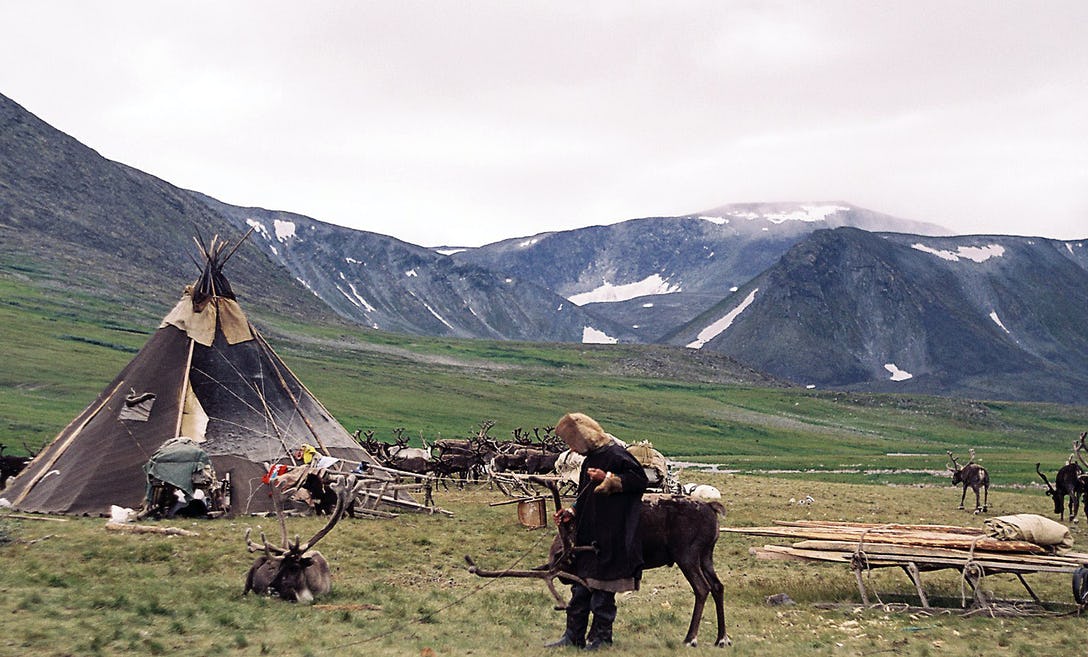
{"x":461,"y":123}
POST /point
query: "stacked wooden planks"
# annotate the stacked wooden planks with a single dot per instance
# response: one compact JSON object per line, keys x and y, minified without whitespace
{"x":929,"y":547}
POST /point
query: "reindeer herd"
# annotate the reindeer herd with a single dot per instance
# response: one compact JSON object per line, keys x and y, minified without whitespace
{"x":469,"y":459}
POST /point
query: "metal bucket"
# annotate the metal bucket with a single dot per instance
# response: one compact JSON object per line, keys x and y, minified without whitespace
{"x":533,"y":512}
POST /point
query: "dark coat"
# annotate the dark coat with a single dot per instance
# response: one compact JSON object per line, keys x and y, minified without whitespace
{"x":610,"y":521}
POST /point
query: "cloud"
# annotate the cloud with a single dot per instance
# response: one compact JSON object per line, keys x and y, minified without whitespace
{"x":476,"y":121}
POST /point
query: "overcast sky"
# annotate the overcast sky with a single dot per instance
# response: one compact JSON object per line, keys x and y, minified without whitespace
{"x":462,"y":123}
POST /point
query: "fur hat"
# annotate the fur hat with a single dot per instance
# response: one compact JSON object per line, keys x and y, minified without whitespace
{"x":581,"y":433}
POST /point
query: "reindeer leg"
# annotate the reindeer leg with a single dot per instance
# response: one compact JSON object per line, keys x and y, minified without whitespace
{"x":718,"y":591}
{"x":701,"y":588}
{"x":963,"y":497}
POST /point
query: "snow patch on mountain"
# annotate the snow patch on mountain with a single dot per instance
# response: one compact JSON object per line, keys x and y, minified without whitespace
{"x":284,"y":229}
{"x":436,"y":315}
{"x":591,"y":335}
{"x":257,"y":226}
{"x":715,"y":329}
{"x":896,"y":373}
{"x":997,"y":320}
{"x":355,"y":298}
{"x":974,"y":253}
{"x":808,"y":213}
{"x":609,"y":293}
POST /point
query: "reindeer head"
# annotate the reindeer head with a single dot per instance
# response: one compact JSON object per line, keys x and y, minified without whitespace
{"x":955,"y":468}
{"x":1050,"y":490}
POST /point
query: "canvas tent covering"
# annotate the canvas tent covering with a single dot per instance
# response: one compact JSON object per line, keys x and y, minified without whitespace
{"x":206,"y":373}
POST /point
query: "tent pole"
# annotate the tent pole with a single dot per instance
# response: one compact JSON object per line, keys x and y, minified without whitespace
{"x":275,"y":427}
{"x":184,"y":389}
{"x":294,"y":400}
{"x":63,"y":448}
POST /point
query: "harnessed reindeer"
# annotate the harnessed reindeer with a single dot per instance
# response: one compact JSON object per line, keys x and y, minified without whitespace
{"x":673,"y":529}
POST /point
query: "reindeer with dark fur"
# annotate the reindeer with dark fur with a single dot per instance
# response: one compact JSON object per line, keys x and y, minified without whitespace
{"x":673,"y":529}
{"x":1068,"y":485}
{"x":295,"y":571}
{"x":10,"y":466}
{"x":972,"y":476}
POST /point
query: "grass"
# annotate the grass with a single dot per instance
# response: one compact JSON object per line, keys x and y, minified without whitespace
{"x":400,"y":587}
{"x":71,"y":588}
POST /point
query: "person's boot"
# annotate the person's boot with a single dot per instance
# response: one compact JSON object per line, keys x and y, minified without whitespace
{"x":565,"y":641}
{"x":600,"y":634}
{"x":598,"y":643}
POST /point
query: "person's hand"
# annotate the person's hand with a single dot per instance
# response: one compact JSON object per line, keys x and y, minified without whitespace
{"x":596,"y":474}
{"x":563,"y":515}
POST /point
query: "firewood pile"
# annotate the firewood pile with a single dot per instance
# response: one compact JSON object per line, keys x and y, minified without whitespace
{"x":914,"y":548}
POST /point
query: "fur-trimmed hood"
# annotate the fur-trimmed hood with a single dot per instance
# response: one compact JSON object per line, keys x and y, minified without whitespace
{"x":581,"y":433}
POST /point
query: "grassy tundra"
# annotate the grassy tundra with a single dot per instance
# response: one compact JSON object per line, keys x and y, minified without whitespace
{"x":400,"y":586}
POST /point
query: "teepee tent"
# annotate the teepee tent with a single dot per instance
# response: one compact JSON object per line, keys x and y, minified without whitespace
{"x":206,"y":374}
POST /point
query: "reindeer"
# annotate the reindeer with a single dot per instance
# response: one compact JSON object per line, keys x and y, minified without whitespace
{"x":673,"y":529}
{"x":1069,"y":484}
{"x":1072,"y":480}
{"x":295,"y":572}
{"x":11,"y":466}
{"x":972,"y":476}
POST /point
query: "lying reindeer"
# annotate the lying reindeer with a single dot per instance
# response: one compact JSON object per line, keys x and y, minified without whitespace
{"x":674,"y":529}
{"x":972,"y":476}
{"x":295,"y":572}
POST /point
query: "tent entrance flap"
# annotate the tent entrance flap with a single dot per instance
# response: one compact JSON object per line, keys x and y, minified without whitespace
{"x":194,"y":421}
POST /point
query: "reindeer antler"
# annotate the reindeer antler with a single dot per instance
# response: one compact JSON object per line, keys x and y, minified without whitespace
{"x":1078,"y":447}
{"x":949,"y":452}
{"x":342,"y":488}
{"x":266,"y":546}
{"x":1045,"y":480}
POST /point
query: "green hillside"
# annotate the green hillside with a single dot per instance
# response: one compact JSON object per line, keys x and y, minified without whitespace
{"x":65,"y":346}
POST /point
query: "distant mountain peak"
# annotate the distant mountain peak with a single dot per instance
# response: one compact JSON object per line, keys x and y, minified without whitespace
{"x":775,"y":213}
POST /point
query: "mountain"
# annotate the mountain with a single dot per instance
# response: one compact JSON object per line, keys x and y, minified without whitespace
{"x":387,"y":284}
{"x":74,"y":218}
{"x":822,"y":294}
{"x":654,"y":274}
{"x":70,"y":215}
{"x":972,"y":316}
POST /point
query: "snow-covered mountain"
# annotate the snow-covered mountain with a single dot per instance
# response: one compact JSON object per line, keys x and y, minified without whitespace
{"x":654,"y":274}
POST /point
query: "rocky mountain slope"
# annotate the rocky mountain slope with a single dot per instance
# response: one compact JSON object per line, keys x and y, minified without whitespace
{"x":980,"y":316}
{"x":823,"y":294}
{"x":654,"y":274}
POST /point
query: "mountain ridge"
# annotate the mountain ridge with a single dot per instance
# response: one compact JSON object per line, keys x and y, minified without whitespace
{"x":824,"y":294}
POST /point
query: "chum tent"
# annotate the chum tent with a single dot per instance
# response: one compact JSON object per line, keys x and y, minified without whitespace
{"x":207,"y":374}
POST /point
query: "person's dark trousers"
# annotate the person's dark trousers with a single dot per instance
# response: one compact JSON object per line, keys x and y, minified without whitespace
{"x":578,"y":615}
{"x":603,"y":606}
{"x":583,"y":601}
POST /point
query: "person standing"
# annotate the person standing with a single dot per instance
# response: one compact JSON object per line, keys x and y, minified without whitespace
{"x":606,"y":515}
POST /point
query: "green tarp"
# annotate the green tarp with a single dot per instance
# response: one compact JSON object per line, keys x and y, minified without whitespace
{"x":175,"y":463}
